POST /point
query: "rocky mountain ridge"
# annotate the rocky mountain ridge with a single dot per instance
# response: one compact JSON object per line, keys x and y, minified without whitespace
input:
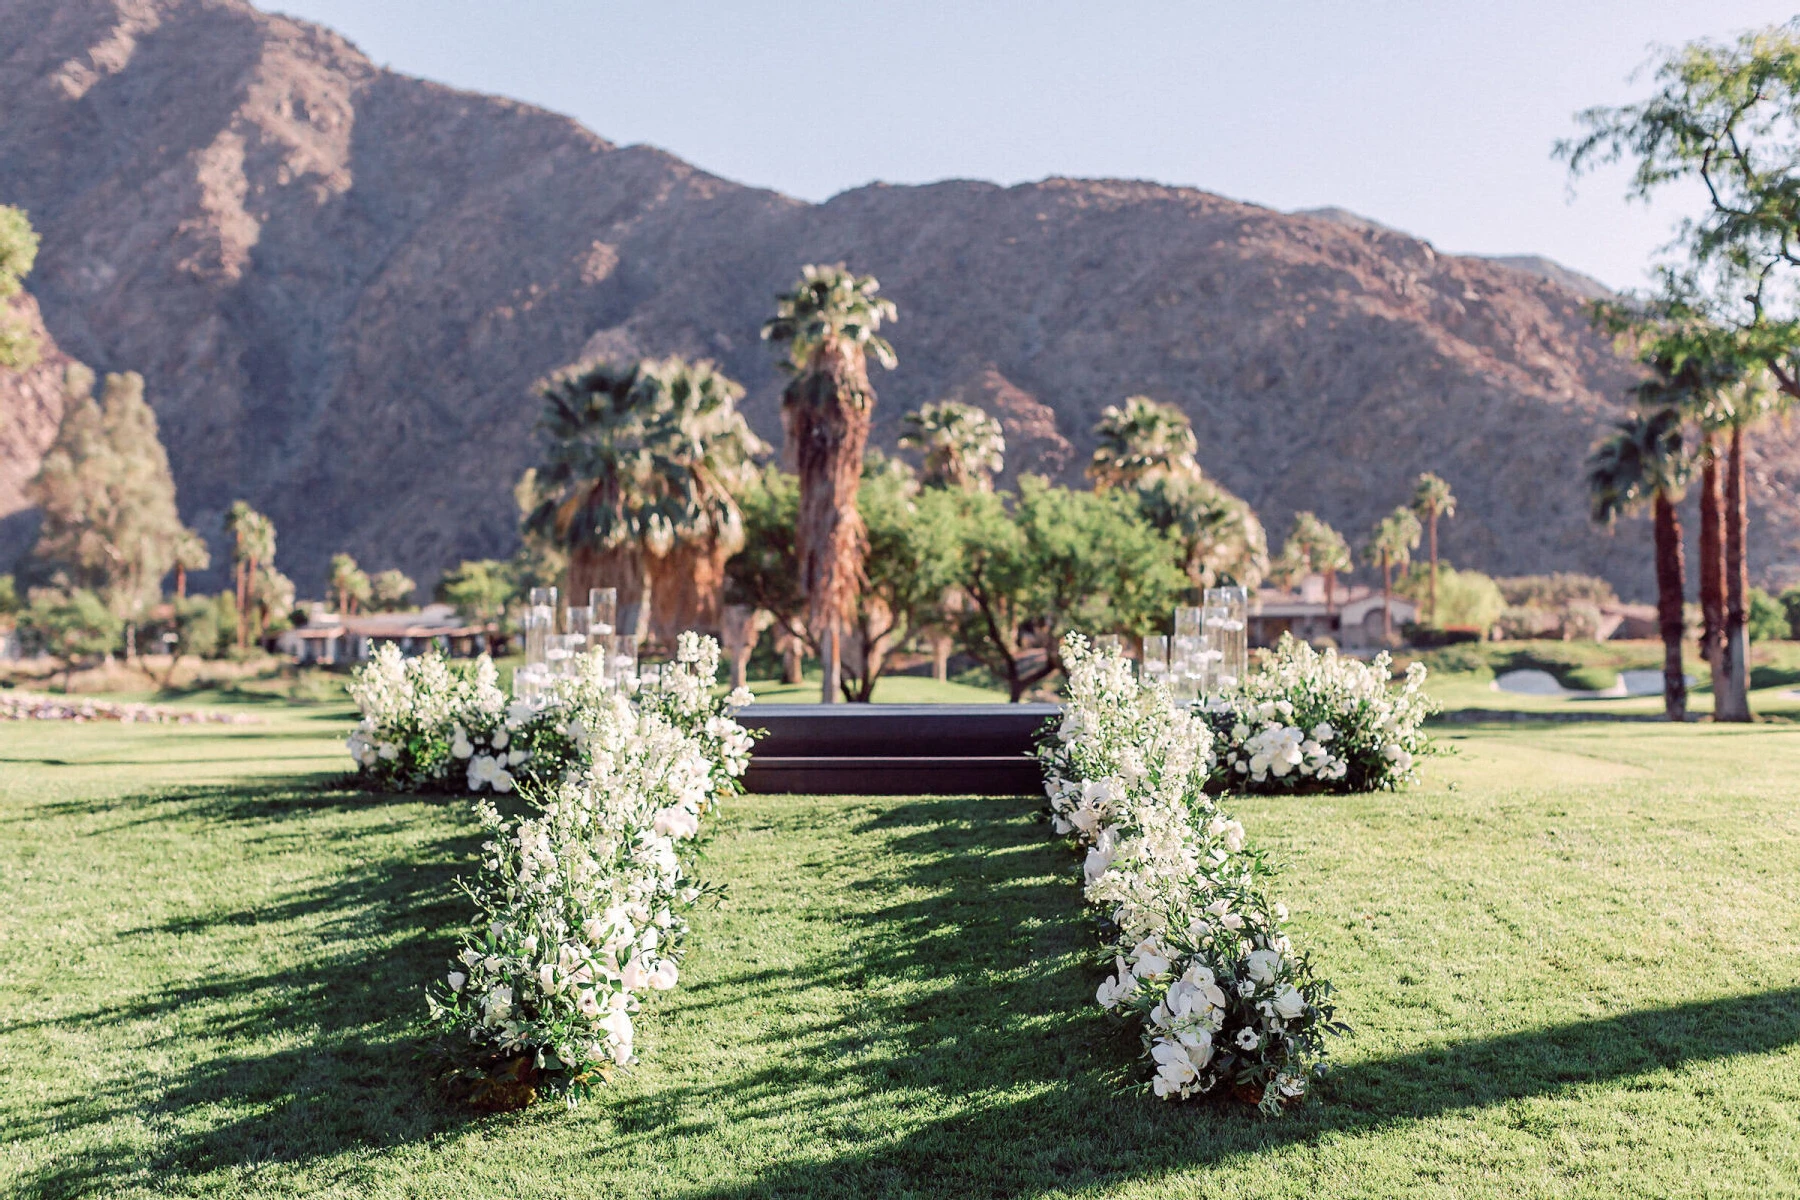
{"x":340,"y":283}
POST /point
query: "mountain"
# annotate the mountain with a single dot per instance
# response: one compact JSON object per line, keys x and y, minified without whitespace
{"x":340,"y":283}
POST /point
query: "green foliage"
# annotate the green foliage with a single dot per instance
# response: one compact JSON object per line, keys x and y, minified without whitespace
{"x":110,"y":523}
{"x":906,"y":572}
{"x":765,"y":574}
{"x":1645,"y":454}
{"x":1556,"y":591}
{"x":1432,"y":498}
{"x":1466,"y":599}
{"x":831,"y":305}
{"x":350,"y":584}
{"x":1312,"y":548}
{"x":645,"y":455}
{"x":1050,"y":560}
{"x":1217,"y":536}
{"x":1767,"y":617}
{"x":1140,"y":440}
{"x":1790,"y":604}
{"x":18,"y":250}
{"x":1393,"y":539}
{"x":961,"y":445}
{"x":481,"y":589}
{"x":71,"y":624}
{"x":393,"y":590}
{"x":9,"y":596}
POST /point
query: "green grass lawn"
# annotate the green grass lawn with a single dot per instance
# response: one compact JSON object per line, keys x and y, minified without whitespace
{"x":1572,"y":960}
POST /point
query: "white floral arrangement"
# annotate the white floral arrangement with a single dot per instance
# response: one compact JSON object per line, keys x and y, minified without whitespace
{"x":582,"y":903}
{"x":1200,"y":962}
{"x":1306,"y":721}
{"x":429,"y":724}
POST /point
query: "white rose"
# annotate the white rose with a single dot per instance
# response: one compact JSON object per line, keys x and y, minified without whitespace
{"x":665,"y":976}
{"x":1262,"y":964}
{"x":634,"y":977}
{"x":456,"y":980}
{"x":1289,"y":1004}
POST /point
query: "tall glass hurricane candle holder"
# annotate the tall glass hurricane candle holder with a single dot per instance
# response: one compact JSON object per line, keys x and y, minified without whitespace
{"x":540,"y":623}
{"x":1233,"y":632}
{"x":1185,"y":665}
{"x":622,"y":669}
{"x":1213,"y":619}
{"x":1156,"y":659}
{"x":605,"y":605}
{"x":578,"y":623}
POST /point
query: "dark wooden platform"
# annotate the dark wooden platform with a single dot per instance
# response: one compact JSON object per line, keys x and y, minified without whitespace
{"x":896,"y":749}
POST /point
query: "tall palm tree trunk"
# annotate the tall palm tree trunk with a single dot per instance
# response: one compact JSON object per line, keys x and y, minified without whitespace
{"x":1734,"y":654}
{"x":180,"y":582}
{"x":1431,"y":524}
{"x":243,"y":604}
{"x":1387,"y":599}
{"x":827,"y":414}
{"x":1712,"y":570}
{"x":1670,"y":584}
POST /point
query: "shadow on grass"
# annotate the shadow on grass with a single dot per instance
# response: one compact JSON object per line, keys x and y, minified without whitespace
{"x":956,"y":1051}
{"x":287,"y":1064}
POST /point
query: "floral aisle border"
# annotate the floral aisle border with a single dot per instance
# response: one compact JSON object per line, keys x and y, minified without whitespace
{"x":1201,"y":962}
{"x":581,"y":904}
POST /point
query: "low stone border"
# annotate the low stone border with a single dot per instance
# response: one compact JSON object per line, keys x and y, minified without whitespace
{"x":26,"y":706}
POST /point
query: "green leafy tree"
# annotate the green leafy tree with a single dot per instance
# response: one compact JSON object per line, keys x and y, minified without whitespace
{"x":903,"y":586}
{"x":1768,"y":617}
{"x":109,"y":519}
{"x":1043,"y":563}
{"x":1722,"y":123}
{"x":1790,"y":604}
{"x":1432,"y":501}
{"x":1469,"y":599}
{"x":480,"y":589}
{"x":190,"y":626}
{"x":828,"y":325}
{"x":393,"y":590}
{"x":1390,"y":545}
{"x":961,"y":446}
{"x":637,"y":484}
{"x":72,"y":625}
{"x":9,"y":596}
{"x":1644,"y":460}
{"x":18,"y":251}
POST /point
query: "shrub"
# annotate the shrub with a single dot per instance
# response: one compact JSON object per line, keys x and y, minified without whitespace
{"x":1767,"y":619}
{"x":1466,"y":599}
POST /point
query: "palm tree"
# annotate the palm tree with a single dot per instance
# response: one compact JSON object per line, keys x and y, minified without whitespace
{"x":253,"y":545}
{"x":1645,"y":458}
{"x":350,"y":583}
{"x":1218,"y":534}
{"x":1140,"y":440}
{"x":1432,"y":499}
{"x":191,"y":554}
{"x":829,"y":324}
{"x":1702,"y":388}
{"x":963,"y":447}
{"x":637,"y":483}
{"x":1315,"y":548}
{"x":1390,"y":545}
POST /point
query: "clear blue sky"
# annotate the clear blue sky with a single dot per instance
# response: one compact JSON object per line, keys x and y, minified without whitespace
{"x":1433,"y":116}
